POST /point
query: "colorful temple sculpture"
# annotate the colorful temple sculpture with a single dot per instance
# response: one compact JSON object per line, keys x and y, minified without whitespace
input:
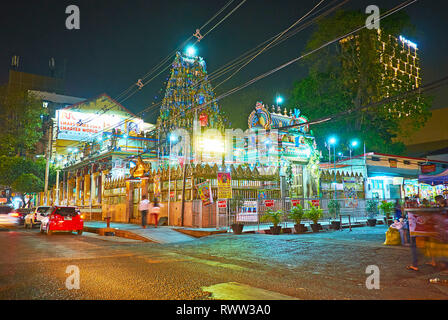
{"x":296,"y":149}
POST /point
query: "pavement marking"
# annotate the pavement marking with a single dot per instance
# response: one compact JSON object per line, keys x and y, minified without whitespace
{"x":240,"y":291}
{"x":176,"y":257}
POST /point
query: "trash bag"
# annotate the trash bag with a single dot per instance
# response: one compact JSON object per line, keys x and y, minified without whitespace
{"x":392,"y":237}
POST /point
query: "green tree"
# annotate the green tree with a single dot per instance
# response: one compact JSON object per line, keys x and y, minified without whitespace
{"x":27,"y":183}
{"x":350,"y":74}
{"x":21,"y":121}
{"x":16,"y":172}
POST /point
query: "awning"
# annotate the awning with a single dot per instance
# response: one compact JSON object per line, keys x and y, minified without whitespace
{"x":441,"y":178}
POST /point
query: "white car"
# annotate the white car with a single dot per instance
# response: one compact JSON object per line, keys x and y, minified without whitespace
{"x":36,"y":217}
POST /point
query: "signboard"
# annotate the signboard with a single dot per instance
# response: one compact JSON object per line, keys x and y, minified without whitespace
{"x":222,"y":204}
{"x":295,"y":202}
{"x":392,"y":163}
{"x":249,"y":212}
{"x":269,"y":203}
{"x":428,"y":168}
{"x":79,"y":125}
{"x":224,"y":185}
{"x":205,"y":193}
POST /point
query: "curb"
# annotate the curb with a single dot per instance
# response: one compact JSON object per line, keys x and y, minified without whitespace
{"x":199,"y":233}
{"x":118,"y":233}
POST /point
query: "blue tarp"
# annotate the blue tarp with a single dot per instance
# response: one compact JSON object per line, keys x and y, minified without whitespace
{"x":441,"y":178}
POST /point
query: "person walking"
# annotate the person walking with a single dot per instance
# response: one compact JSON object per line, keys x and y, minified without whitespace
{"x":144,"y":207}
{"x":154,"y":209}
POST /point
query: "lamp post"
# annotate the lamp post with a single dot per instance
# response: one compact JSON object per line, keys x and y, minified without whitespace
{"x":173,"y":138}
{"x":353,"y":144}
{"x":332,"y":141}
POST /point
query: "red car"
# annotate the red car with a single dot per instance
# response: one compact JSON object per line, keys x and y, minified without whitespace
{"x":62,"y":218}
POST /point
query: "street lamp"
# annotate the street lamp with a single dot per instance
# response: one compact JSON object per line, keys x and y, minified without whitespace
{"x":191,"y":51}
{"x":353,"y":145}
{"x":279,"y":100}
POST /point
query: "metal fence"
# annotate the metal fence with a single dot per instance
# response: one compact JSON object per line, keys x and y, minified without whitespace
{"x":234,"y":209}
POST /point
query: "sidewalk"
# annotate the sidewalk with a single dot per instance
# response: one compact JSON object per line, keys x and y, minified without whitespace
{"x":161,"y":234}
{"x":174,"y":234}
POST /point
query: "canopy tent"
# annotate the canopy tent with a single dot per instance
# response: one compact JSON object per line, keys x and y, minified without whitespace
{"x":441,"y":178}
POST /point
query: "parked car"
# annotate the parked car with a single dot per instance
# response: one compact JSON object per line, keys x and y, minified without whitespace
{"x":62,"y":218}
{"x":35,"y":217}
{"x":21,"y":213}
{"x":7,"y":217}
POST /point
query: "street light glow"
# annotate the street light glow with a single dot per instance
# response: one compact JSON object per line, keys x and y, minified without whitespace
{"x":279,"y":100}
{"x":173,"y":138}
{"x":332,"y":140}
{"x":191,"y":51}
{"x":354,"y":143}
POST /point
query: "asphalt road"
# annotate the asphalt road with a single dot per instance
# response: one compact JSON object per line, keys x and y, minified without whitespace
{"x":330,"y":265}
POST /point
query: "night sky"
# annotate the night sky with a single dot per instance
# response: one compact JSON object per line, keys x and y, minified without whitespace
{"x":119,"y":41}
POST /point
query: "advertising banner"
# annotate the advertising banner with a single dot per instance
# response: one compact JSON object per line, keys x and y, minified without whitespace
{"x":224,"y":185}
{"x":205,"y":193}
{"x":249,"y":212}
{"x":79,"y":125}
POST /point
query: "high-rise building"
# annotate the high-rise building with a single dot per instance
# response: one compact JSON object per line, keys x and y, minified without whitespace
{"x":400,"y":60}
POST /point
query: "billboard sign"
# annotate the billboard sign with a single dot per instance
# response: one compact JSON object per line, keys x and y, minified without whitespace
{"x":80,"y":126}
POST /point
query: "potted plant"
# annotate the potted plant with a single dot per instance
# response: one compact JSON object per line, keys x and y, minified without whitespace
{"x":334,"y":208}
{"x":372,"y":211}
{"x":275,"y":217}
{"x":237,"y":228}
{"x":297,"y":214}
{"x":314,"y":214}
{"x":387,"y":208}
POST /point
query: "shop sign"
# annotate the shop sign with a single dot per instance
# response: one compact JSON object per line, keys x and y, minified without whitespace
{"x":295,"y":202}
{"x":427,"y":168}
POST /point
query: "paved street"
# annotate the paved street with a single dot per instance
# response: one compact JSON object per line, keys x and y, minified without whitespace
{"x":329,"y":265}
